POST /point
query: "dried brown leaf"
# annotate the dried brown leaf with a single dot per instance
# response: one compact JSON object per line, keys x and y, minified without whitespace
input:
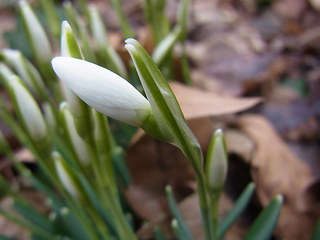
{"x":195,"y":103}
{"x":276,"y":170}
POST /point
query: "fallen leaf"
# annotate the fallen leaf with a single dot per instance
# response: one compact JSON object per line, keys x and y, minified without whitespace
{"x":276,"y":170}
{"x":195,"y":103}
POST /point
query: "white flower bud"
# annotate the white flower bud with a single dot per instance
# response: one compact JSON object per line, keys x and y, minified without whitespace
{"x":76,"y":141}
{"x":65,"y":176}
{"x":28,"y":110}
{"x":217,"y":161}
{"x":103,"y":90}
{"x":38,"y":39}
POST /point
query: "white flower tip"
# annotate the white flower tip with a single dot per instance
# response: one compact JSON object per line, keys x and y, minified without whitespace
{"x":65,"y":27}
{"x":218,"y":132}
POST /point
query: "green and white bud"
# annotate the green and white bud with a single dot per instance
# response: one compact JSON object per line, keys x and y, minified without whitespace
{"x":69,"y":44}
{"x":103,"y":90}
{"x":28,"y":73}
{"x":217,"y":162}
{"x":37,"y":37}
{"x":66,"y":176}
{"x":5,"y":74}
{"x":29,"y":114}
{"x":77,"y":143}
{"x":49,"y":116}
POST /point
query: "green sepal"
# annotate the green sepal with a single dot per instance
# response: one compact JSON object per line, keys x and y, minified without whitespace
{"x":167,"y":122}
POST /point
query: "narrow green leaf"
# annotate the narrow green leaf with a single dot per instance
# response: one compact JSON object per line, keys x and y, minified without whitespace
{"x":263,"y":226}
{"x":164,"y":48}
{"x":66,"y":223}
{"x":176,"y":229}
{"x":316,"y":232}
{"x":182,"y":227}
{"x":32,"y":215}
{"x":158,"y":234}
{"x":33,"y":228}
{"x":239,"y":206}
{"x":2,"y":237}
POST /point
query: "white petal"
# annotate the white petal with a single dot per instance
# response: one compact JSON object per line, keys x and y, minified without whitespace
{"x":103,"y":90}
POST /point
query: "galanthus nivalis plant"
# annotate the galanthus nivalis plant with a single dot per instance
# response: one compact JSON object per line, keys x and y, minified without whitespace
{"x":65,"y":125}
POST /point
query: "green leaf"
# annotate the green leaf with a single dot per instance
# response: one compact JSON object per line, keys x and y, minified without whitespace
{"x":67,"y":223}
{"x":239,"y":206}
{"x":263,"y":226}
{"x":32,"y":215}
{"x":316,"y":232}
{"x":183,"y":230}
{"x":158,"y":234}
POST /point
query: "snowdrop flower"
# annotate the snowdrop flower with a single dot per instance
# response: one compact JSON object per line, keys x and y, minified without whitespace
{"x":217,"y":162}
{"x":103,"y":90}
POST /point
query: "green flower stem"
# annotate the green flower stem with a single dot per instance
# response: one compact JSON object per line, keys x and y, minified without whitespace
{"x":123,"y":227}
{"x":100,"y":224}
{"x":214,"y":213}
{"x":204,"y":206}
{"x":185,"y":66}
{"x":125,"y":26}
{"x":104,"y":146}
{"x":108,"y":196}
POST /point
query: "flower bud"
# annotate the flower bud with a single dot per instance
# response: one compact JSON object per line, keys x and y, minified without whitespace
{"x":217,"y":162}
{"x":5,"y":74}
{"x":29,"y":113}
{"x":28,"y":73}
{"x":77,"y":143}
{"x":103,"y":90}
{"x":36,"y":35}
{"x":69,"y":45}
{"x":65,"y":175}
